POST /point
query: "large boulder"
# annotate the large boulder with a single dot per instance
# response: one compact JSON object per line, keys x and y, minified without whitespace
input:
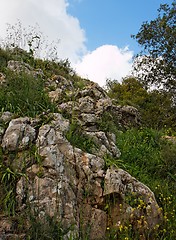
{"x":18,"y":135}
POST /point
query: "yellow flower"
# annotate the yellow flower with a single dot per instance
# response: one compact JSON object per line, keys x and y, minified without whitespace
{"x":125,"y":228}
{"x":121,"y":227}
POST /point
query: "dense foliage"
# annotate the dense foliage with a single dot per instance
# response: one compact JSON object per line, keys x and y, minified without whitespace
{"x":155,"y":106}
{"x":158,"y":60}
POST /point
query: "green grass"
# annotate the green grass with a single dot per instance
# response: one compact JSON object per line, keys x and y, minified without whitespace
{"x":151,"y":160}
{"x":78,"y":139}
{"x":24,"y":95}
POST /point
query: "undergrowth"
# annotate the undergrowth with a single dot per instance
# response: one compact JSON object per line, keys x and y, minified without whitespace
{"x":150,"y":158}
{"x":77,"y":138}
{"x":24,"y":95}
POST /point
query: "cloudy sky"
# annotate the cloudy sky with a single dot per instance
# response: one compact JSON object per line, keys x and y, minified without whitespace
{"x":93,"y":34}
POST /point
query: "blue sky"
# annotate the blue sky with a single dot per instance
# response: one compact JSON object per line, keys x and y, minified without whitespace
{"x":95,"y":35}
{"x":113,"y":21}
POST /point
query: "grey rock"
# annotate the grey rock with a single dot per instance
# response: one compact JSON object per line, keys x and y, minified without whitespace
{"x":118,"y":181}
{"x":18,"y":135}
{"x":19,"y":66}
{"x":6,"y":117}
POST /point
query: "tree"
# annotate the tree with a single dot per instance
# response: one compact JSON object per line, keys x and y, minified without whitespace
{"x":155,"y":106}
{"x":156,"y":64}
{"x":129,"y":92}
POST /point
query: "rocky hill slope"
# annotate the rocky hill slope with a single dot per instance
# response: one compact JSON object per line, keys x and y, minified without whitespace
{"x":57,"y":167}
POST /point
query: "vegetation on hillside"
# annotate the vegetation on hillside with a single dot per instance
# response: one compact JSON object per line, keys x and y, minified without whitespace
{"x":155,"y":106}
{"x":146,"y":153}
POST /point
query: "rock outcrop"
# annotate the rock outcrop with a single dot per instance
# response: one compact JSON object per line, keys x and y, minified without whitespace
{"x":75,"y":186}
{"x":57,"y":179}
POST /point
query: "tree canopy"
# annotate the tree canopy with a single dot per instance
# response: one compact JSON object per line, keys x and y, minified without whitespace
{"x":156,"y":64}
{"x":155,"y":107}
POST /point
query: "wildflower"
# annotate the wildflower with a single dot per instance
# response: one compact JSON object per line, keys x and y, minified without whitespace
{"x":139,"y":222}
{"x":156,"y":227}
{"x":121,"y":227}
{"x":125,"y":228}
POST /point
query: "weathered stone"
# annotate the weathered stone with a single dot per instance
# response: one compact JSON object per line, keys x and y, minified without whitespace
{"x":68,"y":107}
{"x":93,"y":91}
{"x":88,"y":118}
{"x":74,"y":186}
{"x":6,"y":117}
{"x":60,"y":123}
{"x":7,"y":227}
{"x":60,"y":82}
{"x":86,"y":104}
{"x":118,"y":181}
{"x":106,"y":143}
{"x":18,"y":135}
{"x":102,"y":104}
{"x":55,"y":95}
{"x":19,"y":66}
{"x":2,"y":130}
{"x":93,"y":223}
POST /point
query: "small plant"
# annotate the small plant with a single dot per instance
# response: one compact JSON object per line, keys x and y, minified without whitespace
{"x":44,"y":229}
{"x":110,"y":161}
{"x":78,"y":139}
{"x":107,"y":117}
{"x":8,"y":180}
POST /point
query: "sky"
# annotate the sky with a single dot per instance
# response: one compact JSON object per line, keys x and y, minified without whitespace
{"x":95,"y":35}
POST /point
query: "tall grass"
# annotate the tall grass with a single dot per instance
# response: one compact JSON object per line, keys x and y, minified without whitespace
{"x":24,"y":95}
{"x":151,"y":159}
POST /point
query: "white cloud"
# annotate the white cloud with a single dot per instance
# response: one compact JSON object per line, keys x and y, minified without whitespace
{"x":52,"y":16}
{"x":107,"y":61}
{"x":54,"y":22}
